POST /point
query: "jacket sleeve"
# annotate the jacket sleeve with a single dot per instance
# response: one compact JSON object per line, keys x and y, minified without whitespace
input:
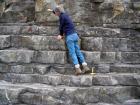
{"x":62,"y":24}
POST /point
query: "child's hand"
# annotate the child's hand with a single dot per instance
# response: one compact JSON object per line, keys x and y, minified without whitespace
{"x":59,"y":37}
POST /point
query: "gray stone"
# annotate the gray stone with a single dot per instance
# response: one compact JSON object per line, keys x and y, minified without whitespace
{"x":48,"y":30}
{"x":98,"y":1}
{"x":92,"y":57}
{"x":74,"y":81}
{"x":125,"y":79}
{"x":106,"y":5}
{"x":12,"y":94}
{"x":1,"y":77}
{"x":42,"y":43}
{"x":136,"y":5}
{"x":137,"y":80}
{"x":76,"y":95}
{"x":20,"y":69}
{"x":41,"y":69}
{"x":25,"y":69}
{"x":108,"y":57}
{"x":63,"y":69}
{"x":21,"y":29}
{"x":10,"y":56}
{"x":9,"y":29}
{"x":102,"y":32}
{"x":110,"y":97}
{"x":4,"y":68}
{"x":103,"y":68}
{"x":18,"y":78}
{"x":134,"y":42}
{"x":91,"y":44}
{"x":86,"y":81}
{"x":29,"y":29}
{"x":54,"y":80}
{"x":5,"y":41}
{"x":36,"y":68}
{"x":58,"y":57}
{"x":114,"y":44}
{"x":16,"y":41}
{"x":23,"y":11}
{"x":104,"y":80}
{"x":130,"y":57}
{"x":125,"y":68}
{"x":132,"y":102}
{"x":38,"y":99}
{"x":100,"y":104}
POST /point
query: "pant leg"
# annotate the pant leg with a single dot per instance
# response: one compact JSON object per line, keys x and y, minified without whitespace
{"x":79,"y":53}
{"x":71,"y":49}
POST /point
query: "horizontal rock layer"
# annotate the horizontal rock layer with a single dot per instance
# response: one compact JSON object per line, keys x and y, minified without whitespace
{"x":40,"y":94}
{"x":112,"y":79}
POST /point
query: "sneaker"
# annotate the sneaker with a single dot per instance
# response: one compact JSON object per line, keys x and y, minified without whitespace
{"x":85,"y":69}
{"x":78,"y":71}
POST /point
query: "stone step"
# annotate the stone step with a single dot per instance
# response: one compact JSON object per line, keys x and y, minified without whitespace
{"x":35,"y":42}
{"x":50,"y":42}
{"x":111,"y":79}
{"x":60,"y":57}
{"x":79,"y":104}
{"x":83,"y":30}
{"x":91,"y":41}
{"x":19,"y":28}
{"x":28,"y":29}
{"x":17,"y":24}
{"x":132,"y":102}
{"x":66,"y":69}
{"x":29,"y":56}
{"x":41,"y":94}
{"x":125,"y":68}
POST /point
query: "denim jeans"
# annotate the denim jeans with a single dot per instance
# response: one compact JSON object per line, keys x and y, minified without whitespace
{"x":74,"y":49}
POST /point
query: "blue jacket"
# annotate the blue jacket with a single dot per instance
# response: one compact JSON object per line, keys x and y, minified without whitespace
{"x":66,"y":25}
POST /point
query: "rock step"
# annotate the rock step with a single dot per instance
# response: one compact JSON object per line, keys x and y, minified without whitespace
{"x":132,"y":102}
{"x":111,"y":79}
{"x":43,"y":42}
{"x":41,"y":94}
{"x":23,"y":28}
{"x":50,"y":42}
{"x":29,"y":56}
{"x":77,"y":104}
{"x":92,"y":38}
{"x":43,"y":69}
{"x":60,"y":57}
{"x":84,"y":30}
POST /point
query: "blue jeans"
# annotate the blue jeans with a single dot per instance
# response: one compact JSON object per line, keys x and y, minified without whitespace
{"x":74,"y":49}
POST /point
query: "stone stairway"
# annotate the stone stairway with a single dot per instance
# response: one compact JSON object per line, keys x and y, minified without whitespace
{"x":42,"y":94}
{"x":35,"y":68}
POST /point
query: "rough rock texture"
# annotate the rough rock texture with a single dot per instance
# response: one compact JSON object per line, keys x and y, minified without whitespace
{"x":35,"y":68}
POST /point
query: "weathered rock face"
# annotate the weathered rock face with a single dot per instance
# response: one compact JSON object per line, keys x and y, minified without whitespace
{"x":17,"y":11}
{"x":115,"y":13}
{"x":112,"y":13}
{"x":35,"y":68}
